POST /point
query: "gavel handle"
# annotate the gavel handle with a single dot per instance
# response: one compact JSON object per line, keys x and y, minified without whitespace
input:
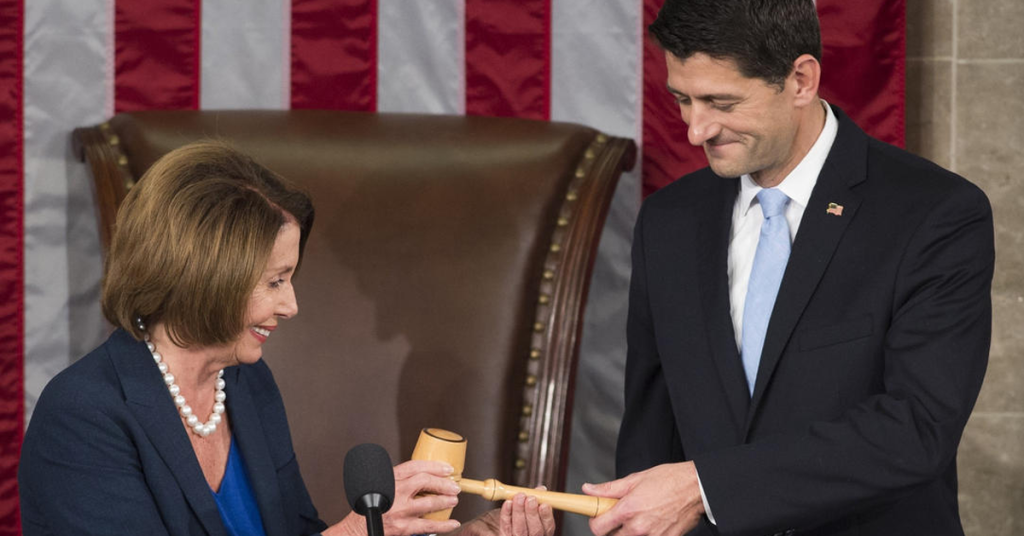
{"x":492,"y":490}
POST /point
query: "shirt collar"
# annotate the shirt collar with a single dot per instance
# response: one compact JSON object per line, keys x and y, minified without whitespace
{"x":799,"y":183}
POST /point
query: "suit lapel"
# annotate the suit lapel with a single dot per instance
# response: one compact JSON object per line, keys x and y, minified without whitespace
{"x":816,"y":242}
{"x":247,"y":429}
{"x":149,"y":401}
{"x":715,"y":223}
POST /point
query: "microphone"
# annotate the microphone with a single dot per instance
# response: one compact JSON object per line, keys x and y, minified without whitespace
{"x":369,"y":484}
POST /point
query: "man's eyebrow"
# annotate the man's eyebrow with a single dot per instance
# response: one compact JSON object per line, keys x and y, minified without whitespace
{"x":711,"y":97}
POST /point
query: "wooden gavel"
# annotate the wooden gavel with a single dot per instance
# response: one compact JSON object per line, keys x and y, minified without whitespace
{"x":442,"y":445}
{"x":492,"y":490}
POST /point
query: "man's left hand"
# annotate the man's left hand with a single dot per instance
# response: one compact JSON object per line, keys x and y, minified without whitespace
{"x":662,"y":501}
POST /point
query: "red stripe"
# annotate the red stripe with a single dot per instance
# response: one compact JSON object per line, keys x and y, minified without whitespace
{"x":862,"y":72}
{"x":667,"y":153}
{"x":334,"y":55}
{"x":156,"y":54}
{"x":863,"y":63}
{"x":12,"y":370}
{"x":508,"y":58}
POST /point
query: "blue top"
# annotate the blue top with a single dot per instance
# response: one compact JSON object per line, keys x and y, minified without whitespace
{"x":236,"y":500}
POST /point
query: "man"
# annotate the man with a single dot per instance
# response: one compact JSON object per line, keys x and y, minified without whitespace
{"x":809,"y":319}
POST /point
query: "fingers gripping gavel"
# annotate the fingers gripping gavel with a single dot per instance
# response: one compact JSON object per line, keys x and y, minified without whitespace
{"x":442,"y":445}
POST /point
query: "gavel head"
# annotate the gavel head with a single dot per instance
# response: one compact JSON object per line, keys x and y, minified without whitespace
{"x":441,"y":445}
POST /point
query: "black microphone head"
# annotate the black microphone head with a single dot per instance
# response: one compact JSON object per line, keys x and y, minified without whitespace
{"x":369,"y":478}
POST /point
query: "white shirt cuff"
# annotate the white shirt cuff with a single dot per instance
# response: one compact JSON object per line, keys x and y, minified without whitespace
{"x":703,"y":497}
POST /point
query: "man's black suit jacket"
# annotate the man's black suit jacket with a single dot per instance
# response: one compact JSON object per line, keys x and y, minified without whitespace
{"x":873,"y":359}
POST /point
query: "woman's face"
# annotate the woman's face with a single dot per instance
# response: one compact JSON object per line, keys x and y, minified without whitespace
{"x":273,"y":298}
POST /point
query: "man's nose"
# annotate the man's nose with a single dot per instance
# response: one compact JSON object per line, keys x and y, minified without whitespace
{"x":702,"y":125}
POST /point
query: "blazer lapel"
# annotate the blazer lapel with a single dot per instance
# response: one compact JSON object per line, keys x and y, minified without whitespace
{"x":715,"y":224}
{"x":816,"y":241}
{"x":247,"y":429}
{"x":149,"y":401}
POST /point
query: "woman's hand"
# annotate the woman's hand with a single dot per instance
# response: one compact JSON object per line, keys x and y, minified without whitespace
{"x":520,"y":516}
{"x":439,"y":492}
{"x":524,"y":516}
{"x":412,"y":479}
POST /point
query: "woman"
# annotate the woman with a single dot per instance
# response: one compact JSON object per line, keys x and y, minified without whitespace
{"x":175,"y":425}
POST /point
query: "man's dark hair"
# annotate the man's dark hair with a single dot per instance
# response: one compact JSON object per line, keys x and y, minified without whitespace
{"x":763,"y":37}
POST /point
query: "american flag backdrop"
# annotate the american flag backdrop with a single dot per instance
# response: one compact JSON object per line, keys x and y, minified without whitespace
{"x":68,"y":63}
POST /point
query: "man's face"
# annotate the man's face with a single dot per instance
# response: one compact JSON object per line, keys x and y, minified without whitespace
{"x":744,"y":124}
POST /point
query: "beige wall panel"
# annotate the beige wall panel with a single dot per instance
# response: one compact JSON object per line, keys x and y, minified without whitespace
{"x":989,"y":29}
{"x":929,"y":28}
{"x":929,"y":120}
{"x":991,"y":466}
{"x":990,"y":152}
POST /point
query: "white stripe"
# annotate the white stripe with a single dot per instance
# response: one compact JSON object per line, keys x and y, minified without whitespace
{"x":243,"y":43}
{"x":108,"y":62}
{"x":421,"y":51}
{"x":286,"y":55}
{"x":596,"y":56}
{"x":67,"y":84}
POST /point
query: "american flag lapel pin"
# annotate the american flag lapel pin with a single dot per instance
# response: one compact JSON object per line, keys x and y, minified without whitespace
{"x":834,"y":209}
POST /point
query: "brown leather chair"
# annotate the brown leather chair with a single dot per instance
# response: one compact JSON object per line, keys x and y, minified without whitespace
{"x":443,"y":283}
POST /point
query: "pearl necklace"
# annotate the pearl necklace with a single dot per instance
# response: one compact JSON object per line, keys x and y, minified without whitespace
{"x":198,"y":428}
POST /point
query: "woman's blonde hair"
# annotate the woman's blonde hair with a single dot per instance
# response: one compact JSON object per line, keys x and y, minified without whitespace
{"x":191,"y":241}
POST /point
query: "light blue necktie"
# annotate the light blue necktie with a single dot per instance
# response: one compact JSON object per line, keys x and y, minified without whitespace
{"x":765,"y":278}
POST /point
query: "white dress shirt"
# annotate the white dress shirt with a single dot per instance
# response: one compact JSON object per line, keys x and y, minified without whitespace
{"x":747,"y":216}
{"x":746,"y":226}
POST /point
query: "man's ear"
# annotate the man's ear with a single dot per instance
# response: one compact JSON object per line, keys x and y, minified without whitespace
{"x":806,"y":77}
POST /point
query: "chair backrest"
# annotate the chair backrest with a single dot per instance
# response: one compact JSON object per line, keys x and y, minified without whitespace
{"x":443,"y":283}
